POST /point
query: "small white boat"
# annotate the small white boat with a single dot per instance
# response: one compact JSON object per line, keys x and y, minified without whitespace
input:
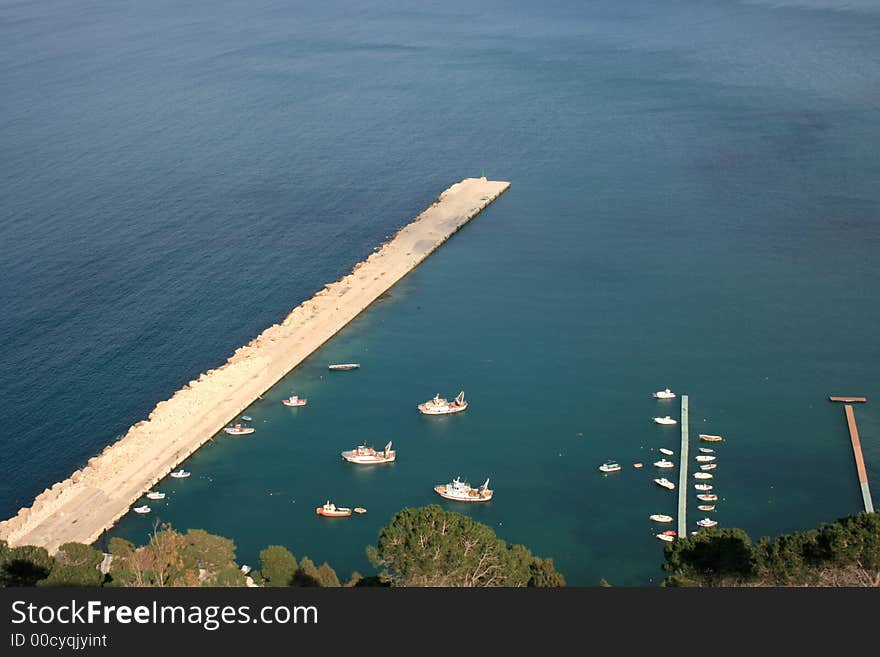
{"x":293,"y":400}
{"x":705,"y":458}
{"x":610,"y":466}
{"x":246,"y":418}
{"x":180,"y":474}
{"x":663,"y":463}
{"x":155,"y":496}
{"x":239,"y":430}
{"x":359,"y":509}
{"x":665,"y":420}
{"x":668,"y":452}
{"x":668,"y":535}
{"x":707,"y":497}
{"x":364,"y":455}
{"x":707,"y":522}
{"x":460,"y":491}
{"x":709,"y":466}
{"x":707,"y":450}
{"x":344,"y":367}
{"x":439,"y":406}
{"x":702,"y":475}
{"x":638,"y":465}
{"x":141,"y":509}
{"x":664,"y":394}
{"x":659,"y":517}
{"x":706,"y":507}
{"x":703,"y":486}
{"x":665,"y":483}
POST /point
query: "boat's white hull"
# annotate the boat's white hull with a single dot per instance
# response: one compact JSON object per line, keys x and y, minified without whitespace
{"x":660,"y":518}
{"x":175,"y":475}
{"x":664,"y":422}
{"x":344,"y":367}
{"x":666,"y":538}
{"x":426,"y":410}
{"x":239,"y":432}
{"x":155,"y":496}
{"x":368,"y":460}
{"x":441,"y":491}
{"x":294,"y":404}
{"x":668,"y":485}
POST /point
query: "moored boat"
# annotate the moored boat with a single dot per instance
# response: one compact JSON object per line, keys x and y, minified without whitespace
{"x":703,"y":486}
{"x":610,"y":466}
{"x":707,"y":450}
{"x":180,"y":474}
{"x":706,"y":507}
{"x":665,"y":537}
{"x":330,"y":510}
{"x":152,"y":495}
{"x":659,"y":517}
{"x":668,"y":452}
{"x":705,"y":458}
{"x":702,"y":475}
{"x":665,"y":483}
{"x":663,"y":463}
{"x":664,"y":394}
{"x":293,"y":400}
{"x":246,"y":418}
{"x":708,"y":466}
{"x":707,"y":497}
{"x":707,"y":522}
{"x":665,"y":420}
{"x":141,"y":509}
{"x":460,"y":491}
{"x":709,"y":438}
{"x":638,"y":465}
{"x":440,"y":406}
{"x":364,"y":455}
{"x":359,"y":509}
{"x":239,"y":430}
{"x":342,"y":367}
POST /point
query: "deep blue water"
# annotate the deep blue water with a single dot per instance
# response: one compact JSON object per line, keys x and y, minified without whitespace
{"x":694,"y":205}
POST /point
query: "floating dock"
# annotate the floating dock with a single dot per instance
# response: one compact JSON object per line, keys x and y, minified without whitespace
{"x":683,"y":470}
{"x":849,"y":400}
{"x":860,"y":461}
{"x":91,"y":500}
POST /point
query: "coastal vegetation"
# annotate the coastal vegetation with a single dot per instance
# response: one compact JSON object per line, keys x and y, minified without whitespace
{"x":843,"y":553}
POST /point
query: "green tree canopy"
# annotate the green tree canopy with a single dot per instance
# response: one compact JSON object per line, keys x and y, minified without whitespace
{"x":277,"y":566}
{"x":76,"y":564}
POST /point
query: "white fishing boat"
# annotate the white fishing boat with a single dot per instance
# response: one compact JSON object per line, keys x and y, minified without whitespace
{"x":665,"y":483}
{"x":703,"y":486}
{"x":180,"y":474}
{"x":707,"y":522}
{"x":706,"y":507}
{"x":705,"y":458}
{"x":663,"y":463}
{"x":707,"y":450}
{"x":707,"y":497}
{"x":610,"y":466}
{"x":665,"y":420}
{"x":708,"y":466}
{"x":709,"y":438}
{"x":155,"y":496}
{"x":141,"y":509}
{"x":239,"y":430}
{"x":364,"y":455}
{"x":668,"y":452}
{"x":342,"y":367}
{"x":460,"y":491}
{"x":702,"y":475}
{"x":440,"y":406}
{"x":659,"y":517}
{"x":293,"y":400}
{"x":664,"y":394}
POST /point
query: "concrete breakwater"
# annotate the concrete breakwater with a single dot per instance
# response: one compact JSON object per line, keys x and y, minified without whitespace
{"x":92,"y":499}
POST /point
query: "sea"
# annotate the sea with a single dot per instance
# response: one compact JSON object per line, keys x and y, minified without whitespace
{"x":694,"y":205}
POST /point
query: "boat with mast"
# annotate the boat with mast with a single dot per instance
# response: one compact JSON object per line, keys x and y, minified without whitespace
{"x":460,"y":491}
{"x":440,"y":406}
{"x":363,"y":455}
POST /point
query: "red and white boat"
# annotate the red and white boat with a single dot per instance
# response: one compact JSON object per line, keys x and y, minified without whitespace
{"x":668,"y":535}
{"x":460,"y":491}
{"x":709,"y":497}
{"x":239,"y":430}
{"x":440,"y":406}
{"x":330,"y":510}
{"x":293,"y":400}
{"x":364,"y":455}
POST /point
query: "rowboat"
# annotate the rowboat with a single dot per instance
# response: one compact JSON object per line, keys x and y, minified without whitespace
{"x":709,"y":438}
{"x":706,"y":507}
{"x":707,"y":498}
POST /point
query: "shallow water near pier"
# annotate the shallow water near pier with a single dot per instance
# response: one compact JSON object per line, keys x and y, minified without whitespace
{"x":693,"y":205}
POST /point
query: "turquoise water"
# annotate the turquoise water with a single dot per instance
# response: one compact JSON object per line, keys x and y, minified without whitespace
{"x":694,"y":205}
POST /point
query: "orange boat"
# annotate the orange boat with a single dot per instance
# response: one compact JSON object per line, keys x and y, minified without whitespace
{"x":330,"y":510}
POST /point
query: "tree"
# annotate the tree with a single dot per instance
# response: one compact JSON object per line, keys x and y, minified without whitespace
{"x":307,"y":574}
{"x":24,"y":566}
{"x":434,"y":547}
{"x":208,"y":553}
{"x":277,"y":566}
{"x":711,"y":557}
{"x":75,"y":564}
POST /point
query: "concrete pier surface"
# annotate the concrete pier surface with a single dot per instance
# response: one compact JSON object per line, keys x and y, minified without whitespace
{"x":91,"y":500}
{"x":683,"y":470}
{"x":860,"y":460}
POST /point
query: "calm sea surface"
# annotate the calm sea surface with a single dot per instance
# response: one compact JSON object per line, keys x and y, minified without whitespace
{"x":695,"y":204}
